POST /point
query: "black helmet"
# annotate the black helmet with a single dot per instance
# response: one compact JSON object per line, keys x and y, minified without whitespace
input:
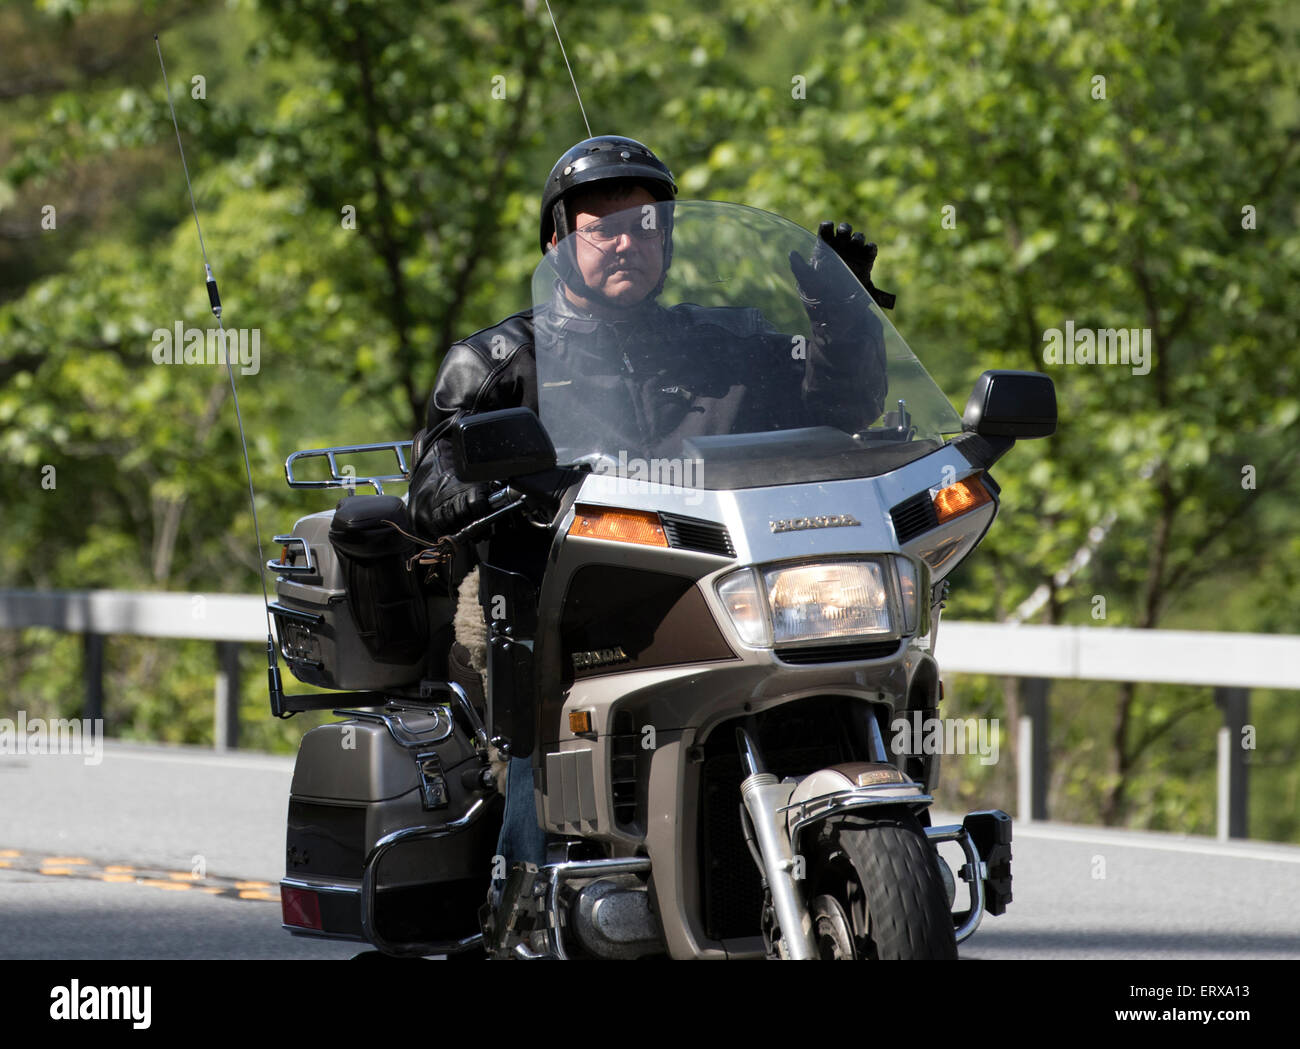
{"x":600,"y":159}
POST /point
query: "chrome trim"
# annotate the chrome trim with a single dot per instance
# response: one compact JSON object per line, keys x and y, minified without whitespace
{"x":293,"y":613}
{"x":299,"y":883}
{"x":962,"y":837}
{"x":316,"y":934}
{"x":466,"y":707}
{"x":750,"y":760}
{"x":443,"y":727}
{"x":774,"y":846}
{"x":309,"y":568}
{"x":368,"y":888}
{"x":880,"y":753}
{"x":433,"y":780}
{"x":555,"y":875}
{"x":814,"y":809}
{"x":338,"y":481}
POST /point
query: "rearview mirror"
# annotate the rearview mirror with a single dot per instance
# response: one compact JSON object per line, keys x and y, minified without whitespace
{"x":1011,"y":404}
{"x":496,"y":446}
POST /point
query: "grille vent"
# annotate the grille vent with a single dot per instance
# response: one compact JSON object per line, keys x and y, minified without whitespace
{"x":838,"y":653}
{"x":622,"y":767}
{"x":913,"y":516}
{"x":691,"y":533}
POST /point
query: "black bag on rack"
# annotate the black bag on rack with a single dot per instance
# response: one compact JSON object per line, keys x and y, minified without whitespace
{"x":387,"y":604}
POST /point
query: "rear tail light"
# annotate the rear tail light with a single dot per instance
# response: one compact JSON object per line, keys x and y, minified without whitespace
{"x":300,"y":908}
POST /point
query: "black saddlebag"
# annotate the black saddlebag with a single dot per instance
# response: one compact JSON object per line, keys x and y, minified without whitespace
{"x":386,"y":603}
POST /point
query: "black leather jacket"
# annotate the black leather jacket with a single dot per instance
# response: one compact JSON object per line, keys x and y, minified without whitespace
{"x":742,"y":374}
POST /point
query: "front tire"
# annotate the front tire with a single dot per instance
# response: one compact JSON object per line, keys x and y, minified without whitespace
{"x":879,"y":876}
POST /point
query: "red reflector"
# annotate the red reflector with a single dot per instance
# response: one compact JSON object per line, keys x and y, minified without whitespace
{"x":300,"y":907}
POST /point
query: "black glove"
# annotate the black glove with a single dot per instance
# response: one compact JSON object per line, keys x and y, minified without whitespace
{"x":858,"y":254}
{"x":461,"y":505}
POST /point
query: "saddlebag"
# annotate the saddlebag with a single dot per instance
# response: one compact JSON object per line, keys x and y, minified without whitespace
{"x":358,"y":782}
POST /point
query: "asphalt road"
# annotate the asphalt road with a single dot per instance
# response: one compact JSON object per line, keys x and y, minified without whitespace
{"x":98,"y":862}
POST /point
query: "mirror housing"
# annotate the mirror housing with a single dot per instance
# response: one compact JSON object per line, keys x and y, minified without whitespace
{"x":1011,"y":404}
{"x":496,"y":446}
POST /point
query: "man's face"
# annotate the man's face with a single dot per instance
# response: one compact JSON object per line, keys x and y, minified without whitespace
{"x":616,"y":255}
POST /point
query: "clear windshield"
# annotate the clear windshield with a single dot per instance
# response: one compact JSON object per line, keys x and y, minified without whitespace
{"x":717,"y":346}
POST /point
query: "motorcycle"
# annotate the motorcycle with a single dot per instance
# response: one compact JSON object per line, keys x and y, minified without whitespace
{"x":744,"y":560}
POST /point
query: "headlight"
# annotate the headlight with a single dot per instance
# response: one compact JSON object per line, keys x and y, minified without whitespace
{"x":813,"y":602}
{"x":816,"y":602}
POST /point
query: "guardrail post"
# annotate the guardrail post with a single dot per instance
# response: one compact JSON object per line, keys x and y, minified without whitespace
{"x":1033,"y":774}
{"x":226,"y":718}
{"x":1233,"y":779}
{"x":92,"y":668}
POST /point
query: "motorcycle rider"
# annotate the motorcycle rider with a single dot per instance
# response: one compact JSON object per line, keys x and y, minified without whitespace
{"x":611,"y":269}
{"x":496,"y":367}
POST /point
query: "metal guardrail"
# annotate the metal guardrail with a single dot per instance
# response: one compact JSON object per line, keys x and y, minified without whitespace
{"x":1231,"y":663}
{"x":229,"y":620}
{"x":1169,"y":657}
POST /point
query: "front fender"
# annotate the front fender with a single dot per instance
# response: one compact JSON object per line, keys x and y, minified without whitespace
{"x":849,"y":787}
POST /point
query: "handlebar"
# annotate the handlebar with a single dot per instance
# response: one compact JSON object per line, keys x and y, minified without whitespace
{"x":501,"y":502}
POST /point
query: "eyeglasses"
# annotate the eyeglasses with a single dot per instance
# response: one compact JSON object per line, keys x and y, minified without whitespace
{"x":602,"y":236}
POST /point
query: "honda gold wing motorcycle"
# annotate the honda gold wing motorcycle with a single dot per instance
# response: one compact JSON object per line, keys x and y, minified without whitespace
{"x":745,"y":495}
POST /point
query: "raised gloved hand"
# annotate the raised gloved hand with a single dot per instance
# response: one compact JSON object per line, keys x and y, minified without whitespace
{"x":461,"y":505}
{"x":818,"y":282}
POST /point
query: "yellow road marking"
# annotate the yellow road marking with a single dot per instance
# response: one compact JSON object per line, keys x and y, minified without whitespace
{"x":158,"y":883}
{"x":80,"y":867}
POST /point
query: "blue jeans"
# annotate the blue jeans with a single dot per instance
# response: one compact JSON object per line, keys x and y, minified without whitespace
{"x":522,"y":839}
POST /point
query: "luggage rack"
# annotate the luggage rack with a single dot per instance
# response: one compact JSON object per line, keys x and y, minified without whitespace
{"x":337,"y":480}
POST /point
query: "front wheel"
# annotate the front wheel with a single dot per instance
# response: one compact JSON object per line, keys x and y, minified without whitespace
{"x":875,"y":891}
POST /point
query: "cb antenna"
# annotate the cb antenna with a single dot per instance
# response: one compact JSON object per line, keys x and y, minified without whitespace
{"x":273,"y":669}
{"x":581,"y":108}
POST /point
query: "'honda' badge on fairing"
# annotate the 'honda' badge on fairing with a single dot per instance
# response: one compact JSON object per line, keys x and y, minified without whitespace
{"x":798,"y":524}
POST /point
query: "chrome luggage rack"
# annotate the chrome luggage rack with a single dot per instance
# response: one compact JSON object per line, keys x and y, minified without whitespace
{"x":338,"y":480}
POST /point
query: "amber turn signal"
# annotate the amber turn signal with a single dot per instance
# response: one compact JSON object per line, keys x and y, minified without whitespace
{"x":579,"y":721}
{"x":960,"y":498}
{"x":621,"y":526}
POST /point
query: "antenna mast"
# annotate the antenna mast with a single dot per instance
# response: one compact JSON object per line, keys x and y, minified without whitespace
{"x":556,"y":26}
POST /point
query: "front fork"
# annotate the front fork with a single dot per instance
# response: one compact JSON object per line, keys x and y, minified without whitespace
{"x":777,"y":823}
